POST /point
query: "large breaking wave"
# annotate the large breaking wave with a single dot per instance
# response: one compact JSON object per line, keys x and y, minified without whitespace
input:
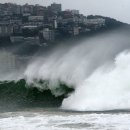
{"x":15,"y":95}
{"x":96,"y":68}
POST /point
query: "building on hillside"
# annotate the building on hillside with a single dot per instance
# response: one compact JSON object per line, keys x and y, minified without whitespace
{"x":39,"y":10}
{"x":75,"y":31}
{"x":55,"y":7}
{"x":29,"y":27}
{"x":38,"y":24}
{"x":67,"y":16}
{"x":5,"y":29}
{"x":75,"y":11}
{"x":30,"y":31}
{"x":32,"y":40}
{"x":27,"y":9}
{"x":48,"y":35}
{"x":16,"y":23}
{"x":95,"y":22}
{"x":36,"y":18}
{"x":17,"y":10}
{"x":55,"y":24}
{"x":10,"y":9}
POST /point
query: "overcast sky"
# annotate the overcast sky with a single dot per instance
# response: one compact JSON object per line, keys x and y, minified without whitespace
{"x":118,"y":9}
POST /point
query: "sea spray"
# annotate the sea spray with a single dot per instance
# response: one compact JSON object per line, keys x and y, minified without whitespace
{"x":103,"y":90}
{"x":84,"y":66}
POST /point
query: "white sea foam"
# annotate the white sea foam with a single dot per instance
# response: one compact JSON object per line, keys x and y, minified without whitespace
{"x":64,"y":121}
{"x":104,"y":90}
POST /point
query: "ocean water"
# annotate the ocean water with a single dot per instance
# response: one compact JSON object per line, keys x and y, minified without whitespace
{"x":56,"y":119}
{"x":83,"y":85}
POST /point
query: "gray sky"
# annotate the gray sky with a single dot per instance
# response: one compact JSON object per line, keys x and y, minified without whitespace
{"x":118,"y":9}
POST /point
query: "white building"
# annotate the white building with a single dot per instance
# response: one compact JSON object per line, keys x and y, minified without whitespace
{"x":31,"y":27}
{"x":74,"y":11}
{"x":95,"y":21}
{"x":48,"y":35}
{"x":76,"y":31}
{"x":36,"y":18}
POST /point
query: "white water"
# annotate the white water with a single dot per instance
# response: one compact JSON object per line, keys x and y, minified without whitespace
{"x":98,"y":69}
{"x":45,"y":120}
{"x":104,"y":90}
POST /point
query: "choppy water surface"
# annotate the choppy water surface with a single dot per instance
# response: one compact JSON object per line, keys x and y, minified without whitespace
{"x":53,"y":119}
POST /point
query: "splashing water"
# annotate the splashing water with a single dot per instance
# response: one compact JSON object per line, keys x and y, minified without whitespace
{"x":103,"y":90}
{"x":100,"y":80}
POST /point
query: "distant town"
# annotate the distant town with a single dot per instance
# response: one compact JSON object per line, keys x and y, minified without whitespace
{"x":26,"y":29}
{"x":41,"y":24}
